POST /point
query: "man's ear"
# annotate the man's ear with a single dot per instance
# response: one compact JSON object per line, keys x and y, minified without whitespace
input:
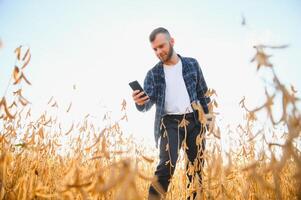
{"x":172,"y":41}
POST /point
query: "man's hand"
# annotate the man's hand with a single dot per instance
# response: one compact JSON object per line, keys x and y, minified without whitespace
{"x":137,"y":96}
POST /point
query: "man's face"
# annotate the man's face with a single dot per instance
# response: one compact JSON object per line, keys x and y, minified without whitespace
{"x":163,"y":47}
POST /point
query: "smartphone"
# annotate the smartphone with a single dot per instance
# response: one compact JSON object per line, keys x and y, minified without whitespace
{"x":136,"y":86}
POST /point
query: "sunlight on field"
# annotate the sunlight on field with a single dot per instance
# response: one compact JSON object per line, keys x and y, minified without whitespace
{"x":52,"y":156}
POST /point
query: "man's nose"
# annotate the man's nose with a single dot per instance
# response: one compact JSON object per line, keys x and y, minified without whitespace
{"x":159,"y":51}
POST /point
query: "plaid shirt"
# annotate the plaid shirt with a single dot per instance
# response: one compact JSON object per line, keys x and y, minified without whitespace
{"x":154,"y":86}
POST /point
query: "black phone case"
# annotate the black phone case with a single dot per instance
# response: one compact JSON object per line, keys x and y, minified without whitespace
{"x":136,"y":86}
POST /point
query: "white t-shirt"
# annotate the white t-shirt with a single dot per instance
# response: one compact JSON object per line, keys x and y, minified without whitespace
{"x":177,"y":99}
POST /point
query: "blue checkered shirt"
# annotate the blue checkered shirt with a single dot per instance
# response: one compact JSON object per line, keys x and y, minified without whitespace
{"x":154,"y":86}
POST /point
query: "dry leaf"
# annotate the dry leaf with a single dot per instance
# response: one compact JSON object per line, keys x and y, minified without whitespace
{"x":50,"y":100}
{"x":22,"y":76}
{"x":25,"y":55}
{"x":123,"y":105}
{"x":261,"y":58}
{"x":25,"y":79}
{"x":6,"y":110}
{"x":18,"y":52}
{"x":150,"y":160}
{"x":27,"y":61}
{"x":16,"y":74}
{"x":69,"y":131}
{"x":69,"y":107}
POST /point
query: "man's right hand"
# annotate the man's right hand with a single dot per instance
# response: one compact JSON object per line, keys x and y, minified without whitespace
{"x":137,"y":96}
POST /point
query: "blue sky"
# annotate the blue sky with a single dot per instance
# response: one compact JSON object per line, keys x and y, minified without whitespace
{"x":100,"y":46}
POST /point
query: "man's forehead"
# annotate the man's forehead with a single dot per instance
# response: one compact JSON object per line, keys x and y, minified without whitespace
{"x":160,"y":39}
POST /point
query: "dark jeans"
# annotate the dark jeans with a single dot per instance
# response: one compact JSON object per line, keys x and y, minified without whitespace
{"x":172,"y":136}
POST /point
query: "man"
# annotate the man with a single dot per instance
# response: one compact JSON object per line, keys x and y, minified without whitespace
{"x":176,"y":85}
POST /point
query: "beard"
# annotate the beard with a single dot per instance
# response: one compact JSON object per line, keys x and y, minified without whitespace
{"x":169,"y":54}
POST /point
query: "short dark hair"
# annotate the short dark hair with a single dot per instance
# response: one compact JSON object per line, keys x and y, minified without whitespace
{"x":156,"y":31}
